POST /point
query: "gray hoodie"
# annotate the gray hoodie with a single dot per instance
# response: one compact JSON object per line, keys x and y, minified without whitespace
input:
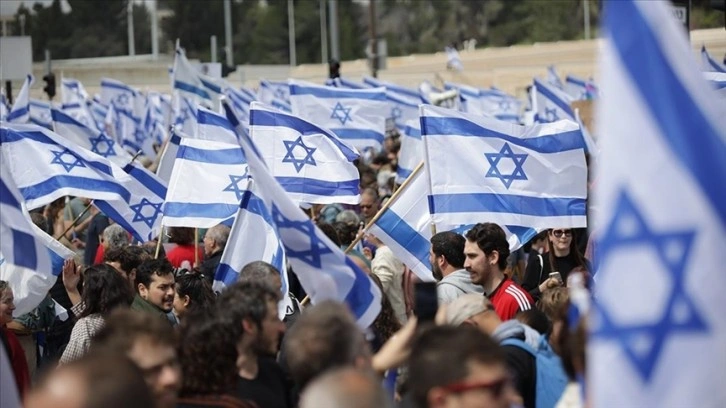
{"x":454,"y":285}
{"x":514,"y":328}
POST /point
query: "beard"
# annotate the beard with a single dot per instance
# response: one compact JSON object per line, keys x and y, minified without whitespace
{"x":265,"y":347}
{"x":438,"y":275}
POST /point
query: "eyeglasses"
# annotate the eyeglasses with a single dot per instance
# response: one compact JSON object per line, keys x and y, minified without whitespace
{"x":559,"y":233}
{"x":496,"y":387}
{"x":362,"y":206}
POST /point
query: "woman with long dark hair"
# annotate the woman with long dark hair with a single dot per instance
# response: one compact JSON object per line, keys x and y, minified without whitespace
{"x":192,"y":292}
{"x":104,"y":290}
{"x":562,"y":256}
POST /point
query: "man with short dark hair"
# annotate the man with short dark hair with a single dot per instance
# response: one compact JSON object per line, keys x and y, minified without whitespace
{"x":459,"y":366}
{"x":253,"y":306}
{"x":126,"y":260}
{"x":214,"y":241}
{"x":447,"y":264}
{"x":151,"y":344}
{"x":486,"y":251}
{"x":155,"y":288}
{"x":324,"y":337}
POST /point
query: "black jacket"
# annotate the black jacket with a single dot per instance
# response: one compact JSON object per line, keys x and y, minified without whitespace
{"x":209,"y":266}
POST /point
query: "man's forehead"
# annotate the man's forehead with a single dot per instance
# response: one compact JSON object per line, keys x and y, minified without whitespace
{"x":162,"y":279}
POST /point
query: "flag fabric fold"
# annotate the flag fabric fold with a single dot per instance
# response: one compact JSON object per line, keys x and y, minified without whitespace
{"x":661,"y":212}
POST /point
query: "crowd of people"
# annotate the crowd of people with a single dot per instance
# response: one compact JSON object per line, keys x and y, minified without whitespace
{"x":131,"y":324}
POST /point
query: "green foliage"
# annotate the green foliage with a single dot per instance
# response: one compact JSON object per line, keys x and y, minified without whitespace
{"x":98,"y":27}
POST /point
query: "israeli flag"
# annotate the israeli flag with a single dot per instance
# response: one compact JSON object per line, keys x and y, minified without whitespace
{"x":31,"y":286}
{"x":357,"y":116}
{"x":309,"y":162}
{"x":481,"y":168}
{"x":710,"y":64}
{"x":411,"y":153}
{"x":253,"y":230}
{"x":500,"y":105}
{"x":23,"y":256}
{"x":215,"y":127}
{"x":20,"y":113}
{"x":324,"y":271}
{"x":552,"y":104}
{"x":133,"y":136}
{"x":453,"y":60}
{"x":391,"y":88}
{"x":81,"y":113}
{"x":60,"y":167}
{"x":168,"y":156}
{"x":241,"y":100}
{"x":3,"y":107}
{"x":580,"y":89}
{"x":402,"y":102}
{"x":119,"y":95}
{"x":206,"y":185}
{"x":90,"y":139}
{"x":153,"y":121}
{"x":40,"y":113}
{"x":275,"y":94}
{"x":72,"y":91}
{"x":192,"y":84}
{"x":98,"y":112}
{"x":661,"y":212}
{"x":140,"y":213}
{"x":185,"y":115}
{"x":553,"y":78}
{"x":405,"y":226}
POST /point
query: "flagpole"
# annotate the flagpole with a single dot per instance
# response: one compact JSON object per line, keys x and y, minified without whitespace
{"x":85,"y":210}
{"x":196,"y":246}
{"x":159,"y":239}
{"x":383,"y":209}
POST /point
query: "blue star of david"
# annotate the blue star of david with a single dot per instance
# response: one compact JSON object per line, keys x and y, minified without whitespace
{"x":139,"y":136}
{"x":396,"y":113}
{"x":100,"y":140}
{"x":280,"y":94}
{"x":234,"y":185}
{"x":67,"y":165}
{"x":505,"y":104}
{"x":341,"y":113}
{"x":551,"y":114}
{"x":183,"y":115}
{"x":679,"y":315}
{"x":122,"y":99}
{"x":506,"y":153}
{"x":317,"y":248}
{"x":290,"y":155}
{"x":138,"y":210}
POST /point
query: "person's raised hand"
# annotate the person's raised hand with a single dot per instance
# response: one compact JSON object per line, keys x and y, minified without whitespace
{"x":396,"y":350}
{"x":71,"y":275}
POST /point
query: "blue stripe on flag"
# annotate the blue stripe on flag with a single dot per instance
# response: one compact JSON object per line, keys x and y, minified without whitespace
{"x":401,"y":232}
{"x":210,"y":210}
{"x":191,"y":89}
{"x":266,"y":118}
{"x":6,"y":197}
{"x":222,"y":156}
{"x":360,"y":134}
{"x":337,"y":93}
{"x":106,"y":84}
{"x":146,"y":179}
{"x":106,"y":208}
{"x":226,"y":274}
{"x":556,"y":143}
{"x":360,"y":293}
{"x":319,"y":187}
{"x":24,"y":249}
{"x":554,"y":98}
{"x":703,"y":151}
{"x":210,"y":85}
{"x":82,"y":183}
{"x":403,"y":173}
{"x":206,"y":118}
{"x":506,"y":203}
{"x":17,"y":113}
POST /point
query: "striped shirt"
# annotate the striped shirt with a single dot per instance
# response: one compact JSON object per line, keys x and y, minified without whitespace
{"x":509,"y":299}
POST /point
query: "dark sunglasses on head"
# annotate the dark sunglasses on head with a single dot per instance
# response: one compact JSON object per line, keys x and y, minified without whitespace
{"x":558,"y":233}
{"x":496,"y":387}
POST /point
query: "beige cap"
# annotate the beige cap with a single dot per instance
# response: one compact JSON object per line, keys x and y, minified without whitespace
{"x":465,"y":307}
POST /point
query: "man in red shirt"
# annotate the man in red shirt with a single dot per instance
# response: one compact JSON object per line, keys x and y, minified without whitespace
{"x":486,"y":251}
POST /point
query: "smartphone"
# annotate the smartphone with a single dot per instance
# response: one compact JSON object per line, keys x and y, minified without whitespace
{"x":426,"y":301}
{"x":556,"y":275}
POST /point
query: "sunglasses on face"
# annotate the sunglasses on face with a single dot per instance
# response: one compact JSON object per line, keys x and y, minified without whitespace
{"x":559,"y":233}
{"x":362,"y":206}
{"x":495,"y":387}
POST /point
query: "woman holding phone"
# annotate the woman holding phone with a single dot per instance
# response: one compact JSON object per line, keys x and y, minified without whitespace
{"x":551,"y":269}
